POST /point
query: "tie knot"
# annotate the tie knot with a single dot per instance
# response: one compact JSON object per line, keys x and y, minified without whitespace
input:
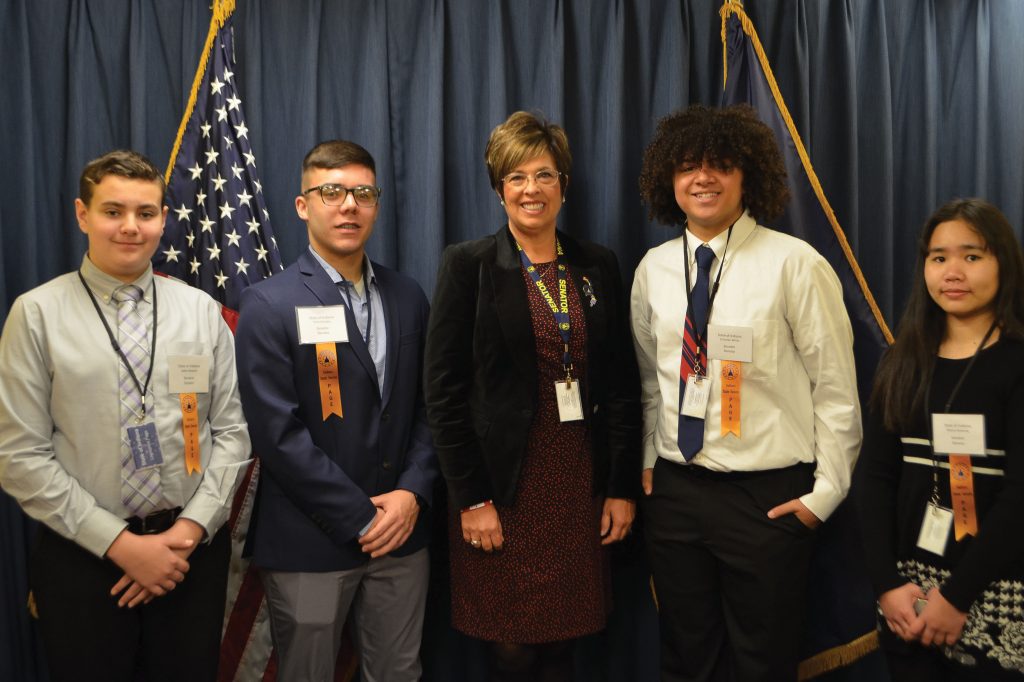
{"x":126,"y":293}
{"x":704,"y":256}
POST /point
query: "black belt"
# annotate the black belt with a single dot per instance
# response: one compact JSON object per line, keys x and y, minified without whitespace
{"x":704,"y":472}
{"x":157,"y":522}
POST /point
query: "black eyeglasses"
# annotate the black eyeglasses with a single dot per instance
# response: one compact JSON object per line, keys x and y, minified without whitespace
{"x":333,"y":194}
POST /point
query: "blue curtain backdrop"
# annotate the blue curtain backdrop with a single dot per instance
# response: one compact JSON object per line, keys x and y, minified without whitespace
{"x":902,"y":104}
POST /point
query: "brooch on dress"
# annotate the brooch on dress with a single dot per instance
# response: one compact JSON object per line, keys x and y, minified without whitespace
{"x":588,"y":291}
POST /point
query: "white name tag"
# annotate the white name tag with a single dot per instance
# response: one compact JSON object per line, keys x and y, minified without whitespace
{"x":188,"y":373}
{"x":322,"y":324}
{"x":935,"y":529}
{"x":730,"y":343}
{"x":695,"y":398}
{"x":959,"y":434}
{"x":570,"y":407}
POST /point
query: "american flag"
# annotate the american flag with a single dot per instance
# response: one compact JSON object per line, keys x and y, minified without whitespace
{"x":218,"y":238}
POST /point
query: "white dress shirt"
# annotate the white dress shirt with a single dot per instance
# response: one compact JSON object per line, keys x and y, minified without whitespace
{"x":60,"y":431}
{"x":798,"y":395}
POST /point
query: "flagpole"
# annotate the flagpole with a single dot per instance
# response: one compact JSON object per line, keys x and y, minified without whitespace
{"x":222,"y":9}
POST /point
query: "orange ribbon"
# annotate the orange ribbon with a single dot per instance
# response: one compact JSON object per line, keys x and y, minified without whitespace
{"x":961,"y":486}
{"x":327,"y":372}
{"x":732,"y":378}
{"x":190,"y":431}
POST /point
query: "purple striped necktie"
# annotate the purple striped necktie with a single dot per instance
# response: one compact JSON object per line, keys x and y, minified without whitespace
{"x":140,"y":489}
{"x":695,"y":352}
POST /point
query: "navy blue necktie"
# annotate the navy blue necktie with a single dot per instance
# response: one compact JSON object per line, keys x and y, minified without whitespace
{"x":695,"y":352}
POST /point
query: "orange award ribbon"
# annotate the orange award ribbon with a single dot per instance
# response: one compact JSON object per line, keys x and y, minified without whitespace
{"x":732,"y":378}
{"x":961,"y":486}
{"x":327,"y":372}
{"x":190,"y":431}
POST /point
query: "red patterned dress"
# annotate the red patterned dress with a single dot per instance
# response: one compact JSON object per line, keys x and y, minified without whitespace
{"x":551,"y":581}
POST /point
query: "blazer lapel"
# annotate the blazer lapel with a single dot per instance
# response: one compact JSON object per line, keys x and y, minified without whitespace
{"x":326,"y":291}
{"x":394,"y":333}
{"x":513,"y":306}
{"x":591,"y":291}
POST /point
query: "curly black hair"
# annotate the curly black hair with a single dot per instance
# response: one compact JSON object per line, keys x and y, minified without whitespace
{"x":732,"y":136}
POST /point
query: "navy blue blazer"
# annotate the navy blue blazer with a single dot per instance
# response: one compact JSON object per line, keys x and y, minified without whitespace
{"x":316,"y":475}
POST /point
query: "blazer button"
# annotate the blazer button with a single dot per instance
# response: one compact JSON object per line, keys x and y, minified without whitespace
{"x":386,"y":464}
{"x":384,"y":417}
{"x":526,"y":413}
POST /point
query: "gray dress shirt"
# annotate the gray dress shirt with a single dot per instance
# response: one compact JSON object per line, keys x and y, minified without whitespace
{"x":60,"y":433}
{"x":367,"y":308}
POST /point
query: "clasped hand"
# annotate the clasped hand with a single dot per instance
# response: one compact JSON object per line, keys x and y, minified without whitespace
{"x":938,"y":624}
{"x":153,"y":565}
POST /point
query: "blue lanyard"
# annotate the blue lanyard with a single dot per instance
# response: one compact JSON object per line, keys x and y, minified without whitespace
{"x":559,"y":310}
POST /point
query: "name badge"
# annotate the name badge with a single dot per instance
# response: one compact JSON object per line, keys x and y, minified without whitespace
{"x":321,"y":324}
{"x":145,"y":446}
{"x":935,"y":529}
{"x":570,"y":407}
{"x":188,"y":373}
{"x":730,"y":343}
{"x":695,"y":398}
{"x":961,"y":434}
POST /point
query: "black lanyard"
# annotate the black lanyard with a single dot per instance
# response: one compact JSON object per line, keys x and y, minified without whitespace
{"x":714,"y":288}
{"x":948,"y":406}
{"x":141,"y":388}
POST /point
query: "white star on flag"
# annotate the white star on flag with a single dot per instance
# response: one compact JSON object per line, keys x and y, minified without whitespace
{"x":213,"y":140}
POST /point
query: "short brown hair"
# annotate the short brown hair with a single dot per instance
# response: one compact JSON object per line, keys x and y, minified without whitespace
{"x":732,"y":136}
{"x":123,"y":163}
{"x":338,"y":153}
{"x":521,"y":137}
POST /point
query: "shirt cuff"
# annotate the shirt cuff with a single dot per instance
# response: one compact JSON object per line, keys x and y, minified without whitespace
{"x":650,"y":454}
{"x":823,"y":500}
{"x":98,"y":531}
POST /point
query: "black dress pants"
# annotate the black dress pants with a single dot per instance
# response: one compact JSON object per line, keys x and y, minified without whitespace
{"x":86,"y":635}
{"x":731,"y":583}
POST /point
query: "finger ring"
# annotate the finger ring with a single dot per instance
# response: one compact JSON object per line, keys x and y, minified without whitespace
{"x":475,"y":543}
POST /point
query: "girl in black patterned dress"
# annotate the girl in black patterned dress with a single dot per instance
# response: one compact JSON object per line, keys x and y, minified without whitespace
{"x":944,"y":533}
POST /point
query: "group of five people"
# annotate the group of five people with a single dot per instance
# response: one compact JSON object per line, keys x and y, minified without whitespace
{"x":730,"y":415}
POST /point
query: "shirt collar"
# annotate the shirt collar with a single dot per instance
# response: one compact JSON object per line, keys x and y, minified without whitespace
{"x":742,"y":229}
{"x":103,"y":285}
{"x":336,"y":276}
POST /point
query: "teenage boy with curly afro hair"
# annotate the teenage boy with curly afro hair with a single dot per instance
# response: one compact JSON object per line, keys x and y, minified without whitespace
{"x":751,"y":417}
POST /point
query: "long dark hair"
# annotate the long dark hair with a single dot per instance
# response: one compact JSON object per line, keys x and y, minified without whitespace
{"x":903,"y":374}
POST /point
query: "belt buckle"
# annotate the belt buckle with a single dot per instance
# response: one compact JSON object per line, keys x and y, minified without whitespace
{"x":157,"y":522}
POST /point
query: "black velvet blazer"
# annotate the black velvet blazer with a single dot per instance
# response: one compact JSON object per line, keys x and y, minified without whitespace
{"x":480,"y":370}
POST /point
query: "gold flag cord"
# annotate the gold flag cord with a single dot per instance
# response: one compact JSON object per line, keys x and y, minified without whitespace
{"x":734,"y":7}
{"x":222,"y":9}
